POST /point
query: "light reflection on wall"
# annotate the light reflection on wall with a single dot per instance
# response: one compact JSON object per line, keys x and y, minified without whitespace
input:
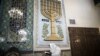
{"x":77,"y":39}
{"x":15,"y":13}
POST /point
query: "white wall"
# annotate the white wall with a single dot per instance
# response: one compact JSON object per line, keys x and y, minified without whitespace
{"x":84,"y":12}
{"x":99,"y":13}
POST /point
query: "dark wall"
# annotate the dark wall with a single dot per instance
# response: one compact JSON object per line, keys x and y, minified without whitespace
{"x":96,"y":1}
{"x":0,"y":1}
{"x":1,"y":12}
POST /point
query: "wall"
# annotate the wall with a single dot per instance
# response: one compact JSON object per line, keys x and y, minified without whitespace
{"x":98,"y":8}
{"x":84,"y":12}
{"x":40,"y":53}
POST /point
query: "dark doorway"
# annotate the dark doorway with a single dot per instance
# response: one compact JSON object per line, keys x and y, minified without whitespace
{"x":85,"y":41}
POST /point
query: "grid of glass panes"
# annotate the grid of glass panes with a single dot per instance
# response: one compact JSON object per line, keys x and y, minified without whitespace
{"x":18,"y":22}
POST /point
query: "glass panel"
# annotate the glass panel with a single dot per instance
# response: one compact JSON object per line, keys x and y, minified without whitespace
{"x":16,"y":22}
